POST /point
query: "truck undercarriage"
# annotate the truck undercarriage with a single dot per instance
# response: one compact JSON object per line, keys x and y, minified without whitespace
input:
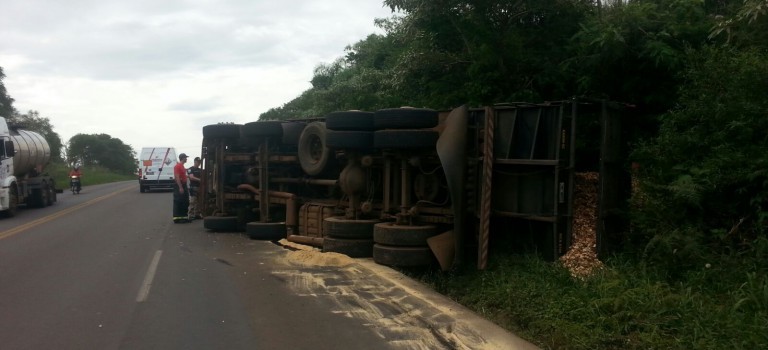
{"x":407,"y":186}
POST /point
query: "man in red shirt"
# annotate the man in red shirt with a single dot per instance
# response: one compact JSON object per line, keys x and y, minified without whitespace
{"x":180,"y":191}
{"x":76,"y":172}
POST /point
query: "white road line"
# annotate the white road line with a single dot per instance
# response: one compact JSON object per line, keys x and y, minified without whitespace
{"x":144,"y":291}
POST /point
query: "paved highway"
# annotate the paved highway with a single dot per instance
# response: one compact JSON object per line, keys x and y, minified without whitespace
{"x":107,"y":269}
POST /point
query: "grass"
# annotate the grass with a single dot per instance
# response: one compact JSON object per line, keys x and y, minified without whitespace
{"x":626,"y":306}
{"x":92,"y":175}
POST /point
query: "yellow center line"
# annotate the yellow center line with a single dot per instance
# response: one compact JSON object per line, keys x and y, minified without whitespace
{"x":31,"y":224}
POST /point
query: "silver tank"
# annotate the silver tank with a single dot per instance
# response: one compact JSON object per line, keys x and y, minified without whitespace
{"x":32,"y":150}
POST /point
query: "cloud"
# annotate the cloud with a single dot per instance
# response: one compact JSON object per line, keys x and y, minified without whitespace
{"x":139,"y":39}
{"x":132,"y":68}
{"x":193,"y":106}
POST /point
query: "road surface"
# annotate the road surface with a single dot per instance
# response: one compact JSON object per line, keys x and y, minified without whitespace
{"x":107,"y":269}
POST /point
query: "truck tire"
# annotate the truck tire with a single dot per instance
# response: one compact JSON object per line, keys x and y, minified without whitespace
{"x":51,"y":189}
{"x":13,"y":201}
{"x":45,"y":195}
{"x":292,"y":132}
{"x":287,"y":133}
{"x":262,"y":129}
{"x":340,"y":227}
{"x":270,"y":231}
{"x":405,"y":118}
{"x":222,"y":131}
{"x":349,"y":139}
{"x":388,"y":233}
{"x":314,"y":153}
{"x":36,"y":199}
{"x":350,"y":120}
{"x":404,"y":139}
{"x":403,"y":256}
{"x":353,"y":248}
{"x":221,"y":223}
{"x":42,"y":197}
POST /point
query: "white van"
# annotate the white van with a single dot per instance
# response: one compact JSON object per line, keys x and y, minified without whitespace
{"x":156,"y":168}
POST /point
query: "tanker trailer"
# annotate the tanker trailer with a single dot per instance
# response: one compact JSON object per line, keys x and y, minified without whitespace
{"x":23,"y":156}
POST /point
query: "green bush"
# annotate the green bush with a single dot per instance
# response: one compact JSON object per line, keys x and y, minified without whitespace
{"x":716,"y":305}
{"x":704,"y":179}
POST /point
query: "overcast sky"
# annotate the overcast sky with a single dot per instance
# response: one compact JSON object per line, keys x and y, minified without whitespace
{"x":154,"y":72}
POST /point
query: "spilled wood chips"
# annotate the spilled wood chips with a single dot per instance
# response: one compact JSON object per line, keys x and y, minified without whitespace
{"x":581,"y":260}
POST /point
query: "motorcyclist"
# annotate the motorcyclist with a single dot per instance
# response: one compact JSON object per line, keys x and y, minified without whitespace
{"x":76,"y":172}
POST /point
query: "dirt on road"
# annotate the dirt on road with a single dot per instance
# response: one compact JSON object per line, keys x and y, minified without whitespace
{"x":404,"y":312}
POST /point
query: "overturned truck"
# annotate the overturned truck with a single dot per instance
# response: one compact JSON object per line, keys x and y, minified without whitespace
{"x":405,"y":186}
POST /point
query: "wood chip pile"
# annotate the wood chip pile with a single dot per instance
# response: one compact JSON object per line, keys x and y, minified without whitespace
{"x":581,"y":260}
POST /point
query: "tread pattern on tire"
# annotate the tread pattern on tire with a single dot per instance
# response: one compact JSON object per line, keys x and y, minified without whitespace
{"x":402,"y":256}
{"x":339,"y":227}
{"x":266,"y":230}
{"x":405,"y":118}
{"x":262,"y":129}
{"x":354,"y":248}
{"x":221,"y":223}
{"x":388,"y":233}
{"x":350,"y":120}
{"x":222,"y":131}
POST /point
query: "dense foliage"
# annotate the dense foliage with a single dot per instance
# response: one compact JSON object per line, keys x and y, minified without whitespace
{"x":102,"y":150}
{"x":706,"y":174}
{"x":441,"y":54}
{"x":6,"y":102}
{"x":634,"y":52}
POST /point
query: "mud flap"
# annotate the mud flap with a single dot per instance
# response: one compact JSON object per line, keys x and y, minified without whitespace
{"x":451,"y":148}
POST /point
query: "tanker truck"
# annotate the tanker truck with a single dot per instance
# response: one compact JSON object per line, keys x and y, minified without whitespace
{"x":23,"y":155}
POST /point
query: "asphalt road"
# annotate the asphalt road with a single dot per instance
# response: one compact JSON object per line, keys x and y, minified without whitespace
{"x":107,"y":269}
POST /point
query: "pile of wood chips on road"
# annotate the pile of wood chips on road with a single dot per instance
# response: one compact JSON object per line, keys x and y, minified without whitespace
{"x":581,"y":260}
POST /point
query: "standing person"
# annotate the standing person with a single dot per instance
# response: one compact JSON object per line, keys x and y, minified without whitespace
{"x":195,"y":173}
{"x":180,"y":191}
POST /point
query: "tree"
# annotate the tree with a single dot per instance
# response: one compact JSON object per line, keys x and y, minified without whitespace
{"x":634,"y":52}
{"x":487,"y":51}
{"x":32,"y":121}
{"x":748,"y":27}
{"x":102,"y":150}
{"x":704,"y":179}
{"x":362,"y":79}
{"x":447,"y":53}
{"x":6,"y":102}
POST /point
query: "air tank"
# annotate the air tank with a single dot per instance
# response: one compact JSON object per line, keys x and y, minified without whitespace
{"x":32,"y":152}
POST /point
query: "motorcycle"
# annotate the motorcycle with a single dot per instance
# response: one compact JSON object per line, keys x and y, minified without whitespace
{"x":74,"y":184}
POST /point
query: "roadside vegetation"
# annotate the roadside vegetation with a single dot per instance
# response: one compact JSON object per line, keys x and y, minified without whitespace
{"x":628,"y":304}
{"x":92,"y":175}
{"x":691,"y":271}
